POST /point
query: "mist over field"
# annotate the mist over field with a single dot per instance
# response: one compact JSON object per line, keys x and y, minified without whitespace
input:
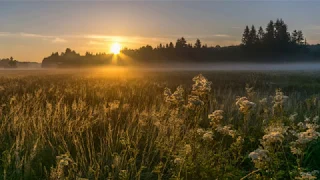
{"x":235,"y":66}
{"x":308,"y":66}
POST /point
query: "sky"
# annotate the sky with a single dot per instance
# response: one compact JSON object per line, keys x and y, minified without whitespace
{"x":32,"y":30}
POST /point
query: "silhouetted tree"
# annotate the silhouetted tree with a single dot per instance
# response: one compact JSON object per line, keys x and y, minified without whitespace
{"x":282,"y":36}
{"x":197,"y":44}
{"x":246,"y":36}
{"x":294,"y":37}
{"x":171,"y":46}
{"x":300,"y":38}
{"x":269,"y":35}
{"x":260,"y":34}
{"x":181,"y":43}
{"x":253,"y":38}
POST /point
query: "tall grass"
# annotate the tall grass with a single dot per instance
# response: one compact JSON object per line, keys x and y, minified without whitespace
{"x":218,"y":126}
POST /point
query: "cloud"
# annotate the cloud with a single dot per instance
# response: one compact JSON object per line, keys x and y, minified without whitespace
{"x":4,"y":34}
{"x":96,"y":43}
{"x":59,"y":40}
{"x":53,"y":39}
{"x":222,"y":35}
{"x":33,"y":35}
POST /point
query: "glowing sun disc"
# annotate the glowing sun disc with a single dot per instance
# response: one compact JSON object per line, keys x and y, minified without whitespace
{"x":115,"y":48}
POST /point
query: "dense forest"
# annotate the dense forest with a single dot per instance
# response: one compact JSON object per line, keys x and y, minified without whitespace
{"x":272,"y":44}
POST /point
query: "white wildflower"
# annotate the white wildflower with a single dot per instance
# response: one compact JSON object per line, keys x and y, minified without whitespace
{"x":216,"y":117}
{"x":176,"y":97}
{"x":278,"y":100}
{"x":194,"y":101}
{"x":200,"y":131}
{"x":259,"y":157}
{"x":188,"y":149}
{"x":226,"y":130}
{"x":245,"y":105}
{"x":308,"y":136}
{"x":295,"y":150}
{"x":274,"y":134}
{"x":207,"y":136}
{"x":308,"y":175}
{"x":201,"y":85}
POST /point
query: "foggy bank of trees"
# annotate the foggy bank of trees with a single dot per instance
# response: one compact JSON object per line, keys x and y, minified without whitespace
{"x":270,"y":44}
{"x":12,"y":63}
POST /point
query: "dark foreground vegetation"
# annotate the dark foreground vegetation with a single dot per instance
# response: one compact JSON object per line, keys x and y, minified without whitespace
{"x":272,"y":45}
{"x":152,"y":125}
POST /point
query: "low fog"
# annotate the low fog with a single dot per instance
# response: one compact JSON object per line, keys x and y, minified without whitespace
{"x":196,"y":67}
{"x":234,"y":67}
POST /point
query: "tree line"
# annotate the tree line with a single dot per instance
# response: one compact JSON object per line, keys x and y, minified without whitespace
{"x":8,"y":63}
{"x":13,"y":63}
{"x":275,"y":38}
{"x":272,"y":44}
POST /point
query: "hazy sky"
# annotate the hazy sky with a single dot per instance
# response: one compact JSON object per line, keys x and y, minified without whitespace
{"x":30,"y":31}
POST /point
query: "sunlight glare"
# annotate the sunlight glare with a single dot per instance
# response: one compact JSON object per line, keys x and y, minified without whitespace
{"x":115,"y":48}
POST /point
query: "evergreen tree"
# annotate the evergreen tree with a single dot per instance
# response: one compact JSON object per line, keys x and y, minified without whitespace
{"x":253,"y":38}
{"x":260,"y":34}
{"x":197,"y":44}
{"x":171,"y":46}
{"x":300,"y":38}
{"x":246,"y":36}
{"x":181,"y":43}
{"x":294,"y":37}
{"x":269,"y":35}
{"x":281,"y":34}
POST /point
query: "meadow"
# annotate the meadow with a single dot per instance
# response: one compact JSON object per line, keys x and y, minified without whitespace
{"x":126,"y":124}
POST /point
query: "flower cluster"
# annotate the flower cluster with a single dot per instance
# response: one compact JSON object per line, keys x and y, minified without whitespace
{"x":278,"y":100}
{"x":308,"y":133}
{"x":274,"y":134}
{"x":194,"y":101}
{"x":176,"y":97}
{"x":206,"y":135}
{"x":201,"y":85}
{"x":308,"y":175}
{"x":188,"y":149}
{"x":226,"y":130}
{"x":215,"y":117}
{"x":259,"y":157}
{"x":245,"y":106}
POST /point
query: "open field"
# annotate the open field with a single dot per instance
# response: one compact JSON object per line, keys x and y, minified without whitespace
{"x":129,"y":124}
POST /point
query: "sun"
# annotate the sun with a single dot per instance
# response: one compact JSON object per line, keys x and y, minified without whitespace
{"x":115,"y":48}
